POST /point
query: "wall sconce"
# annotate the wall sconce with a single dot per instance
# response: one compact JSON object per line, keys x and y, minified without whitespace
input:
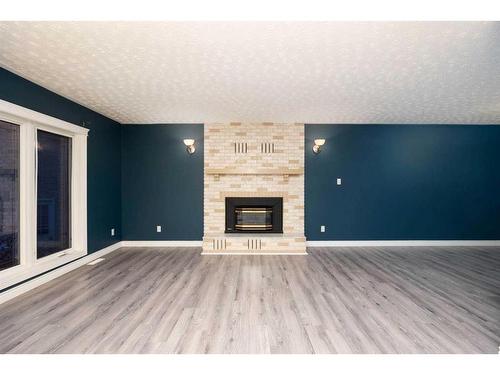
{"x":190,"y":146}
{"x":317,"y":145}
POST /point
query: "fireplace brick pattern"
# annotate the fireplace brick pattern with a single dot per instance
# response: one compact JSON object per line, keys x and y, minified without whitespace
{"x":254,"y":160}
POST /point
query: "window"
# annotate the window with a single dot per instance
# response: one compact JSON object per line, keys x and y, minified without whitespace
{"x":9,"y":195}
{"x":43,"y":193}
{"x":53,"y":193}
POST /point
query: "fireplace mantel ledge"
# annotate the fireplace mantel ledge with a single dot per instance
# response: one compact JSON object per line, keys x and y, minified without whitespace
{"x":256,"y":171}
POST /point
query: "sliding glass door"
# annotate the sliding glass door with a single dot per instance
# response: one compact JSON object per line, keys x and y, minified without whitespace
{"x":9,"y":195}
{"x":53,"y":193}
{"x":43,"y":193}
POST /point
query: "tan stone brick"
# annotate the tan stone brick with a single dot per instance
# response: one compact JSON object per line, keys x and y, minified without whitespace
{"x":289,"y":143}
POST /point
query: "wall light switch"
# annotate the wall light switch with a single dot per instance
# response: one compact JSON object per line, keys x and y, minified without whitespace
{"x":158,"y":228}
{"x":112,"y":231}
{"x":322,"y":229}
{"x":339,"y":181}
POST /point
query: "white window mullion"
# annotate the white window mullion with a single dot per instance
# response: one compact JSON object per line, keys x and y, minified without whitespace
{"x":28,"y":194}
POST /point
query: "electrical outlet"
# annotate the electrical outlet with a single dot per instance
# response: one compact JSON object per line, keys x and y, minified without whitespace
{"x":112,"y":232}
{"x":158,"y":228}
{"x":339,"y":181}
{"x":322,"y":229}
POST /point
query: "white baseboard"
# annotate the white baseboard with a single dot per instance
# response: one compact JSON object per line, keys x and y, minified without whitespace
{"x":51,"y":275}
{"x":161,"y":243}
{"x":402,"y":243}
{"x":250,"y":253}
{"x":28,"y":285}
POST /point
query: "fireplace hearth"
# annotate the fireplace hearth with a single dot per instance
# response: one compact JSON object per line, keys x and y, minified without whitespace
{"x":254,"y":215}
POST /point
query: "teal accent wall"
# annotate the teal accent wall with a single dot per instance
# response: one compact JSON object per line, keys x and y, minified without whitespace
{"x":403,"y":182}
{"x":161,"y":183}
{"x":408,"y":182}
{"x":103,"y":148}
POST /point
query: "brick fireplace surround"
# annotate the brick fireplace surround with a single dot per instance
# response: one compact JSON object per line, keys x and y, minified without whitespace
{"x":254,"y":160}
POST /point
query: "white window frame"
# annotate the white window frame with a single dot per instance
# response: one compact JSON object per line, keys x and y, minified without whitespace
{"x":29,"y":122}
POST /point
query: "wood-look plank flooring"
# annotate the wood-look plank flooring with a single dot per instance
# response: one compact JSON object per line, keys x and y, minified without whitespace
{"x":342,"y":300}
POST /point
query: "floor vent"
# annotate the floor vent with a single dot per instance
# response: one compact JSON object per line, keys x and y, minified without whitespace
{"x":219,"y":244}
{"x":98,"y":260}
{"x":254,"y":244}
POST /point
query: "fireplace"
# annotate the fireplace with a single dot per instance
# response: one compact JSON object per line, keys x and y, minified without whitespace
{"x":254,"y":215}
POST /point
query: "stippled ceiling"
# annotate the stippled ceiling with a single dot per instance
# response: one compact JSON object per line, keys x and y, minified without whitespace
{"x":328,"y":72}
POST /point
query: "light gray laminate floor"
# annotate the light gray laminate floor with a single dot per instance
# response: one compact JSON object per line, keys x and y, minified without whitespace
{"x":343,"y":300}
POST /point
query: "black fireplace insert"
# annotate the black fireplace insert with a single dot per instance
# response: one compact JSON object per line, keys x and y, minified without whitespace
{"x":254,"y":215}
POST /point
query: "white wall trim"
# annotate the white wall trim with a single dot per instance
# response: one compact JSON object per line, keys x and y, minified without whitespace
{"x":16,"y":113}
{"x":162,"y":243}
{"x":250,"y":253}
{"x":403,"y":243}
{"x":29,"y":285}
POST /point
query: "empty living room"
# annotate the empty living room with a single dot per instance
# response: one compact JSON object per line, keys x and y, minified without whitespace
{"x":249,"y":186}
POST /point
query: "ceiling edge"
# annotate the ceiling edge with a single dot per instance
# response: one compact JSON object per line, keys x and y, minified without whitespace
{"x":13,"y":71}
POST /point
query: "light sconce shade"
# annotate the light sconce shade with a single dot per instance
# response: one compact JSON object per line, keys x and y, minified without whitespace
{"x":189,"y":146}
{"x":317,"y":145}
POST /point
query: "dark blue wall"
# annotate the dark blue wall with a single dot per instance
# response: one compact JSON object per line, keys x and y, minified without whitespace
{"x":161,"y":183}
{"x":410,"y":182}
{"x":103,"y":147}
{"x":399,"y":182}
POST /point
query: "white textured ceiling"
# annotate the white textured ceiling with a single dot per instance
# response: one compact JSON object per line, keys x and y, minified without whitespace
{"x":170,"y":72}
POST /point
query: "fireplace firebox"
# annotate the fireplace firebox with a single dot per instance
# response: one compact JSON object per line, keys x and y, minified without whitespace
{"x":254,"y":215}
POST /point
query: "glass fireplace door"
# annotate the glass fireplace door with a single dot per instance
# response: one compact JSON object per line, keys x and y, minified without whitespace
{"x":253,"y":218}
